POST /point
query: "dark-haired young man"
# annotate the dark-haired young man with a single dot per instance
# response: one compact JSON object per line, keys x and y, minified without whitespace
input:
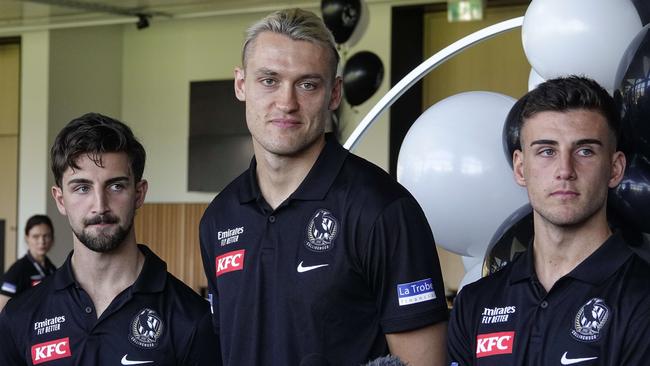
{"x":113,"y":301}
{"x":314,"y":253}
{"x":579,"y":295}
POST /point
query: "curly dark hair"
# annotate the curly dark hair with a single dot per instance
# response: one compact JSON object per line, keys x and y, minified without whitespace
{"x":94,"y":134}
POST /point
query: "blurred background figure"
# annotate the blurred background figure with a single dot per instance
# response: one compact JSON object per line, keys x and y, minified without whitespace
{"x":30,"y":270}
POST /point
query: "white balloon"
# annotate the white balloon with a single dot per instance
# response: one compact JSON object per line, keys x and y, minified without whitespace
{"x":452,"y":162}
{"x":471,"y":275}
{"x":469,"y":262}
{"x":583,"y":37}
{"x":534,"y":79}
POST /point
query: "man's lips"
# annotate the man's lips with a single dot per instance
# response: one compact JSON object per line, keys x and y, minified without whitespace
{"x":562,"y":193}
{"x":285,"y":122}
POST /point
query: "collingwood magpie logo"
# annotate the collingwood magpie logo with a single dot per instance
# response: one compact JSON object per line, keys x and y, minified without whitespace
{"x":589,"y":321}
{"x":146,"y":329}
{"x":321,"y":231}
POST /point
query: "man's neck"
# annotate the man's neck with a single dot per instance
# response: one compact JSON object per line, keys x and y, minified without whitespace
{"x":105,"y":275}
{"x":279,"y":176}
{"x":558,"y":250}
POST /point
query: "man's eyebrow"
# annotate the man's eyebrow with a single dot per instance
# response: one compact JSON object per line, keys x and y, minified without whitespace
{"x":589,"y":141}
{"x":265,"y":72}
{"x":577,"y":143}
{"x":78,"y":180}
{"x":268,"y":72}
{"x":117,"y":179}
{"x":544,"y":142}
{"x":88,"y":181}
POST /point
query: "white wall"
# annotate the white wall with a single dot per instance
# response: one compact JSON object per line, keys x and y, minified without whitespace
{"x":34,"y":99}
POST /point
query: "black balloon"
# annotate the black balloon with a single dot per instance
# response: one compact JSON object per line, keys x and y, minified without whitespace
{"x":631,"y":199}
{"x":643,"y":7}
{"x":362,"y":77}
{"x":341,"y":17}
{"x":513,"y":236}
{"x":510,"y":133}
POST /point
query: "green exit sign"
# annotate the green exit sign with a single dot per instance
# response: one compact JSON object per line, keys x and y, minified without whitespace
{"x":464,"y":10}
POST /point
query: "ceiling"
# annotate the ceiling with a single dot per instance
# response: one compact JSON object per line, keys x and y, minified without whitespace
{"x":24,"y":15}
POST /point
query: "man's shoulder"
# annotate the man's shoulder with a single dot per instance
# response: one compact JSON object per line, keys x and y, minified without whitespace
{"x":30,"y":300}
{"x":229,"y":195}
{"x":190,"y":303}
{"x":368,"y":180}
{"x":493,"y":284}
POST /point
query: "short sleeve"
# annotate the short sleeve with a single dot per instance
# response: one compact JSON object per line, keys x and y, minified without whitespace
{"x":203,"y":348}
{"x":459,"y":348}
{"x":207,"y":255}
{"x":403,"y":269}
{"x":12,"y":282}
{"x":636,"y":345}
{"x":9,"y":352}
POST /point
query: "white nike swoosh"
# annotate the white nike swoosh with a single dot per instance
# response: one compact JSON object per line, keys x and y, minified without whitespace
{"x":302,"y":269}
{"x":571,"y":361}
{"x":129,"y":362}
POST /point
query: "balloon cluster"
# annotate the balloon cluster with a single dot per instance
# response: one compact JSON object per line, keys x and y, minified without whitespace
{"x":364,"y":71}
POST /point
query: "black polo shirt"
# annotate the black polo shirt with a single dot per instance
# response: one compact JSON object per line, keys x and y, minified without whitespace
{"x":23,"y":274}
{"x":598,"y":314}
{"x":347,"y":257}
{"x":156,"y":321}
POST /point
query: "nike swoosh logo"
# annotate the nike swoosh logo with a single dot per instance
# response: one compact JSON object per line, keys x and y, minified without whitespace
{"x":129,"y":362}
{"x":570,"y":361}
{"x":302,"y":269}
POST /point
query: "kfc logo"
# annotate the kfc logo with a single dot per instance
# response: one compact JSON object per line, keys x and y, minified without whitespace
{"x":49,"y":351}
{"x":494,"y":344}
{"x":231,"y":261}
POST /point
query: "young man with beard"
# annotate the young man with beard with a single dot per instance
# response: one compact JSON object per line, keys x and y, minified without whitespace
{"x":113,"y":301}
{"x":579,"y":295}
{"x":314,"y":253}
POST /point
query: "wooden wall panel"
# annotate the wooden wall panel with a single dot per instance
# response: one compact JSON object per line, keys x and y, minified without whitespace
{"x":171,"y":230}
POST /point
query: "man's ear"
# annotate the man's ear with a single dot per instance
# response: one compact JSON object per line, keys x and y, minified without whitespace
{"x":518,"y":167}
{"x":57,"y":194}
{"x":618,"y":169}
{"x":240,"y":78}
{"x":141,"y":188}
{"x":337,"y":94}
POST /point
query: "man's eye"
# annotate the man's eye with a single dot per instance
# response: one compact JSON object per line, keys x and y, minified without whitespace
{"x":308,"y":86}
{"x":585,"y":152}
{"x":547,"y":152}
{"x":81,"y":189}
{"x":116,"y":187}
{"x":268,"y":82}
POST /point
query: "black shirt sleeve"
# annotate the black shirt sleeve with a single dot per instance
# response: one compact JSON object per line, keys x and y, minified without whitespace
{"x":9,"y":353}
{"x":15,"y":280}
{"x":459,"y":337}
{"x":208,"y":258}
{"x":403,"y":269}
{"x":203,"y":348}
{"x":636,"y":345}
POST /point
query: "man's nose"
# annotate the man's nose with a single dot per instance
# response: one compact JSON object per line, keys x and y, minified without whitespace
{"x":566,"y":167}
{"x":287,"y":100}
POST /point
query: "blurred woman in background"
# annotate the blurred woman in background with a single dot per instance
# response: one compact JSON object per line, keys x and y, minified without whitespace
{"x":30,"y":270}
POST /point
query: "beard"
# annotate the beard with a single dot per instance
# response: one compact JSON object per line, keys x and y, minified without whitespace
{"x":103,"y":241}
